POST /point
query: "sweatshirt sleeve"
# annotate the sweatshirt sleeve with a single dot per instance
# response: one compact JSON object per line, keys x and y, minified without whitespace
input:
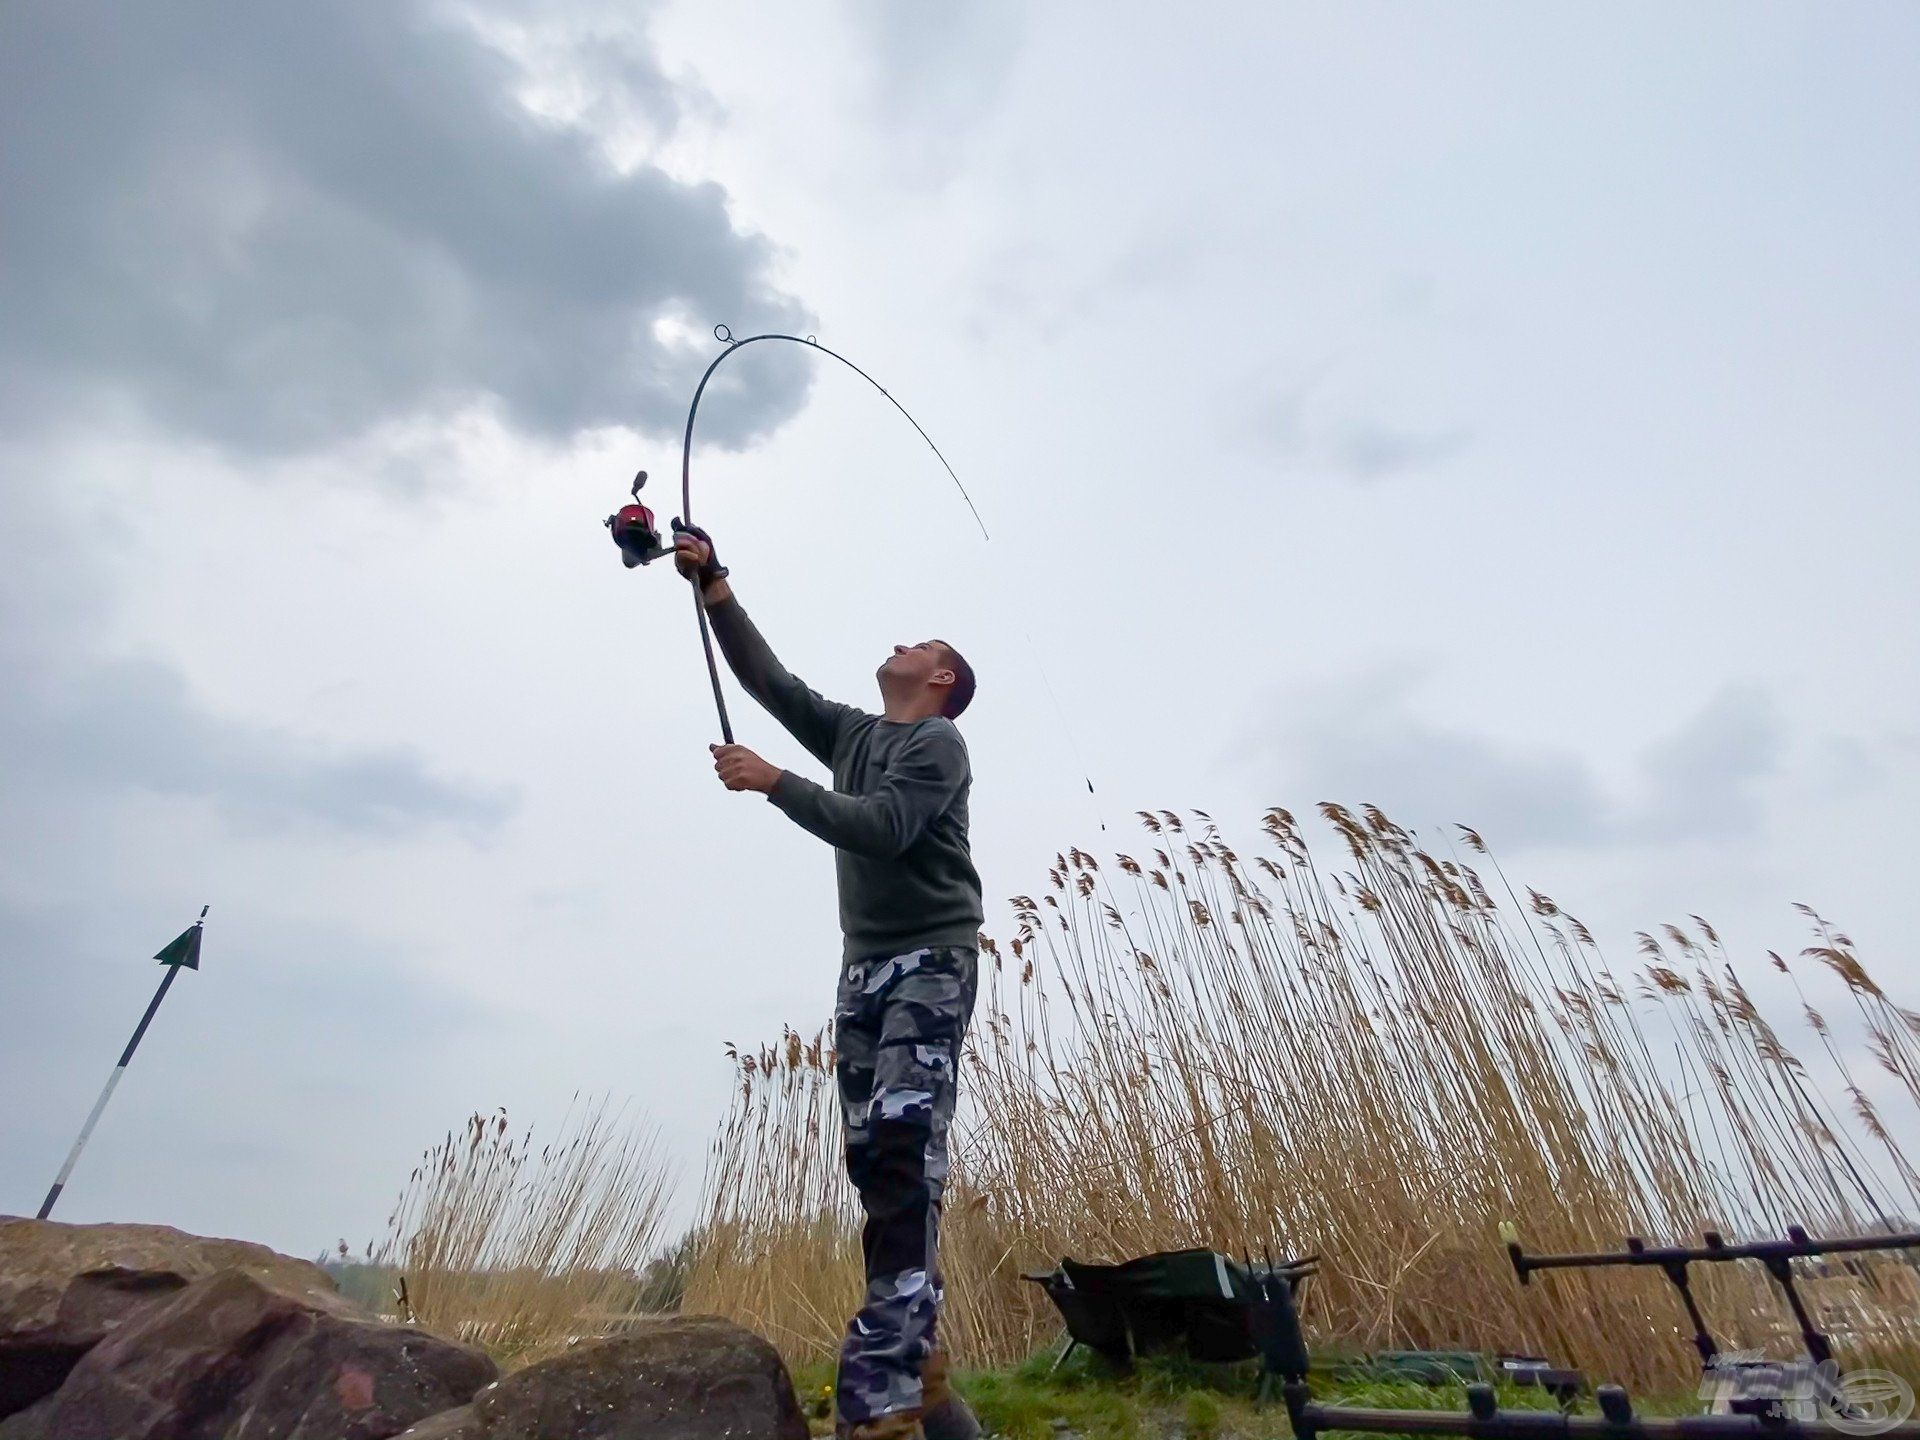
{"x":809,"y":718}
{"x":920,"y":782}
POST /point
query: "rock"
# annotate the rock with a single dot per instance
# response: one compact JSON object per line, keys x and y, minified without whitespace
{"x":459,"y":1423}
{"x":676,"y":1378}
{"x":64,"y":1288}
{"x":951,"y":1419}
{"x":232,"y":1358}
{"x":28,"y":1423}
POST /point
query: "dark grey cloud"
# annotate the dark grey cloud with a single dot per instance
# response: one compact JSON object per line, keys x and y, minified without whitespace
{"x":133,"y":725}
{"x":276,"y":226}
{"x":600,"y":52}
{"x":81,"y":723}
{"x":1370,"y":742}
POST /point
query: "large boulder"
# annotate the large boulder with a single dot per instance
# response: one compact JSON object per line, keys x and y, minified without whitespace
{"x":65,"y":1288}
{"x":675,"y":1378}
{"x":231,"y":1357}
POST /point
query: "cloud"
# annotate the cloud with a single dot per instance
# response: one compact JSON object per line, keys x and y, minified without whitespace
{"x":1368,"y":741}
{"x":133,"y":725}
{"x":1326,"y":424}
{"x":588,"y":62}
{"x":939,"y":64}
{"x":1051,"y":292}
{"x":1368,"y":450}
{"x":1703,"y":782}
{"x":936,"y":70}
{"x":276,"y":227}
{"x":79,"y":720}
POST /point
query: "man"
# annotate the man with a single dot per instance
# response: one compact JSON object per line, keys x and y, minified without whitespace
{"x":910,"y":915}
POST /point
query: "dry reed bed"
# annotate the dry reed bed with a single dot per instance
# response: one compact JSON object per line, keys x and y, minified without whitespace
{"x":522,"y":1251}
{"x":1379,"y":1063}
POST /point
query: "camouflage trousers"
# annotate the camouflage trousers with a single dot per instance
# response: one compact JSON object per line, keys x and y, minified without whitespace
{"x":898,"y":1025}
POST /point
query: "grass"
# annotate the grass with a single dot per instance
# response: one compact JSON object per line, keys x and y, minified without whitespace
{"x":1169,"y":1397}
{"x":1379,"y":1059}
{"x":522,"y":1251}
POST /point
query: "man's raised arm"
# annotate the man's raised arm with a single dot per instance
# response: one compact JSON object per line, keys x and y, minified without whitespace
{"x":811,"y":719}
{"x":920,"y":783}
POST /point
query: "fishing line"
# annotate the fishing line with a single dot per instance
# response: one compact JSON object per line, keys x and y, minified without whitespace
{"x":1073,"y":740}
{"x":734,"y":347}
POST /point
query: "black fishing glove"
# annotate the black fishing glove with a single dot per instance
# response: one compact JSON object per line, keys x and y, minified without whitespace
{"x":712,"y":569}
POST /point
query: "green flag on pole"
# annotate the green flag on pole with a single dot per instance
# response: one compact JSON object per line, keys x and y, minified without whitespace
{"x":183,"y":949}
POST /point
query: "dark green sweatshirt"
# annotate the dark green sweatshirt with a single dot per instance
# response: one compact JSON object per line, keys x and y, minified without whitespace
{"x":897,"y":813}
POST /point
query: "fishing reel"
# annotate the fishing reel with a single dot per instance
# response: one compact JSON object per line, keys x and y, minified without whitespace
{"x":634,"y":531}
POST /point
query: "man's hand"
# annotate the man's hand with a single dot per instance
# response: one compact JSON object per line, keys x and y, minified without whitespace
{"x":693,"y":557}
{"x":690,"y":554}
{"x":740,"y":769}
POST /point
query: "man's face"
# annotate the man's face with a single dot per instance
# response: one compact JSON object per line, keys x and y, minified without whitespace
{"x":915,"y":664}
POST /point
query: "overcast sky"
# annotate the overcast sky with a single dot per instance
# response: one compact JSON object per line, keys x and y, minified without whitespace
{"x":1503,"y":413}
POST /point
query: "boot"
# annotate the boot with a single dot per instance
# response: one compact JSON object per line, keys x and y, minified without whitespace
{"x":947,"y":1416}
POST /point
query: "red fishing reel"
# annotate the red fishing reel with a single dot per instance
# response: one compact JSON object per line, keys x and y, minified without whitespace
{"x":634,"y":531}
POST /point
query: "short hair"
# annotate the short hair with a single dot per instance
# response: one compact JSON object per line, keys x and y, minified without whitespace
{"x":960,"y":695}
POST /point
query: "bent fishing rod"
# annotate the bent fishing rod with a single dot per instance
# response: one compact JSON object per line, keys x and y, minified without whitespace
{"x":639,"y":539}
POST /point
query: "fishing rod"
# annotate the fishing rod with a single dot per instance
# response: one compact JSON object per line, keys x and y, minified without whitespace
{"x":641,"y":543}
{"x":639,"y":538}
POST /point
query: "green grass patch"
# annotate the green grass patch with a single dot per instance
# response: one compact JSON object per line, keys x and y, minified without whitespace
{"x":1170,"y":1397}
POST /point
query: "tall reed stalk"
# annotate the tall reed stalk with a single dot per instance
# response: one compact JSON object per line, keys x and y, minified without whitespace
{"x":1379,"y":1062}
{"x":520,"y":1250}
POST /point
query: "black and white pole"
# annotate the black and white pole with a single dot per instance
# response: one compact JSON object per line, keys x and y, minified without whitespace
{"x":183,"y":950}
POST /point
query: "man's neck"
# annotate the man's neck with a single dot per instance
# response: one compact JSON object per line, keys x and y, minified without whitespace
{"x":905,"y":709}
